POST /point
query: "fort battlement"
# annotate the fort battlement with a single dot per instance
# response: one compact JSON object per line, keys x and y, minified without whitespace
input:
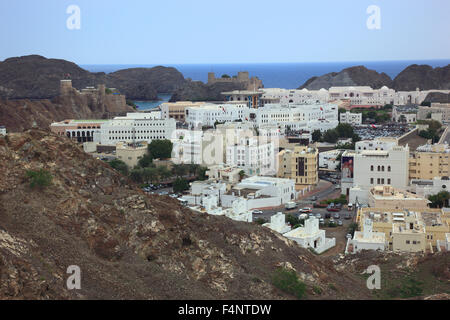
{"x":241,"y":78}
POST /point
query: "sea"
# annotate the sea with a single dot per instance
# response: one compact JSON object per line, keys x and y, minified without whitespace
{"x":273,"y":75}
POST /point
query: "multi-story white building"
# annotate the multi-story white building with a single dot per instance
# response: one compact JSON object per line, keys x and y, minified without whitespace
{"x":379,"y":167}
{"x":209,"y":114}
{"x":330,"y":159}
{"x":254,"y":155}
{"x":351,"y":118}
{"x":135,"y":127}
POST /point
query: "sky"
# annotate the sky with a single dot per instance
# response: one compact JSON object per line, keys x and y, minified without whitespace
{"x":231,"y":31}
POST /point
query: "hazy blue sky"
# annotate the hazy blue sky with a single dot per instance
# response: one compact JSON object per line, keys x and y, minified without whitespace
{"x":214,"y":31}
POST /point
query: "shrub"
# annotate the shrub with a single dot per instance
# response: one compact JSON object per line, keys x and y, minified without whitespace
{"x":41,"y":178}
{"x":288,"y":282}
{"x":260,"y":221}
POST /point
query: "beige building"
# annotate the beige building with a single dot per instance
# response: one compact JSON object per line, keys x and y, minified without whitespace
{"x":407,"y":230}
{"x":131,"y":154}
{"x":300,"y":164}
{"x":437,"y":111}
{"x":429,"y":161}
{"x":177,"y":110}
{"x":387,"y":197}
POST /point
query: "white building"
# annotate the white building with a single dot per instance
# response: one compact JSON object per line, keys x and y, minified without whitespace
{"x":379,"y":167}
{"x":297,"y":117}
{"x":366,"y":239}
{"x":237,"y":212}
{"x":426,"y":188}
{"x":209,"y":114}
{"x":2,"y":131}
{"x":254,"y":155}
{"x":135,"y":127}
{"x":330,"y":159}
{"x":187,"y":146}
{"x":363,"y":95}
{"x":278,"y":223}
{"x":352,"y":118}
{"x":310,"y":236}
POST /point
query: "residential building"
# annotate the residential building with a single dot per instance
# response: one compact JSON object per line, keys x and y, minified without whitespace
{"x":224,"y":173}
{"x":388,"y":197}
{"x":131,"y":153}
{"x":252,"y":98}
{"x":366,"y":239}
{"x":254,"y":155}
{"x":347,"y":171}
{"x":300,"y":164}
{"x":429,"y":161}
{"x":310,"y":236}
{"x":351,"y":118}
{"x":379,"y":167}
{"x":2,"y":131}
{"x":407,"y":230}
{"x":278,"y":223}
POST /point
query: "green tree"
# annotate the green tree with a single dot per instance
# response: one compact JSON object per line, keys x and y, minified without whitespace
{"x":160,"y":149}
{"x":241,"y":174}
{"x":225,"y":76}
{"x":150,"y":175}
{"x":202,"y":173}
{"x":120,"y":166}
{"x":163,"y":173}
{"x":316,"y":135}
{"x":40,"y":179}
{"x":180,"y":185}
{"x":287,"y":281}
{"x":179,"y":170}
{"x":146,"y":161}
{"x":137,"y":175}
{"x":344,"y":130}
{"x":292,"y":220}
{"x":331,"y":136}
{"x":439,"y":200}
{"x":352,"y":228}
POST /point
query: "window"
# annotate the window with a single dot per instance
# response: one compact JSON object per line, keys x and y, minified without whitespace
{"x":371,"y":168}
{"x":371,"y":180}
{"x":407,"y":241}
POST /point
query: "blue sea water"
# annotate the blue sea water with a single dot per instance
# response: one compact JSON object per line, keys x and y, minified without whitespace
{"x":273,"y":75}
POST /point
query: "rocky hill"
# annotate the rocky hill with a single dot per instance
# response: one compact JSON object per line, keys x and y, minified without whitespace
{"x":353,"y":76}
{"x":414,"y":76}
{"x":423,"y":77}
{"x":36,"y":77}
{"x":130,"y":245}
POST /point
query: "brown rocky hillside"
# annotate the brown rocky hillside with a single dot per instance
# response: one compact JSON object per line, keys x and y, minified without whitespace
{"x":130,"y":245}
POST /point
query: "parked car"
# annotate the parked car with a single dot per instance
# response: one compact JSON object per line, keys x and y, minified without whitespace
{"x":321,"y":221}
{"x":336,"y":215}
{"x":305,"y":210}
{"x":347,"y":216}
{"x":327,"y":215}
{"x":350,"y":207}
{"x":320,"y":205}
{"x":314,"y":198}
{"x":311,"y":215}
{"x":340,"y":223}
{"x":257,"y":212}
{"x":290,"y":205}
{"x":331,"y":220}
{"x":332,"y":208}
{"x":303,"y":216}
{"x":348,"y":236}
{"x":318,"y":216}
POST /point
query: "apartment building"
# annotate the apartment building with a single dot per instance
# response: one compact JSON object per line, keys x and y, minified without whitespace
{"x":300,"y":164}
{"x":429,"y":161}
{"x":254,"y":155}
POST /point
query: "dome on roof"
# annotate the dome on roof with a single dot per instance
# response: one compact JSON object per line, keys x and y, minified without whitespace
{"x":384,"y":88}
{"x":304,"y":90}
{"x":322,"y":90}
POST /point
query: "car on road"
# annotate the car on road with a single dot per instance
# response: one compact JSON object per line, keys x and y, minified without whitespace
{"x":290,"y":205}
{"x":347,"y":216}
{"x":163,"y":193}
{"x":348,"y":236}
{"x":313,"y":198}
{"x":332,"y":208}
{"x":257,"y":212}
{"x":340,"y":223}
{"x":305,"y":210}
{"x":318,"y":216}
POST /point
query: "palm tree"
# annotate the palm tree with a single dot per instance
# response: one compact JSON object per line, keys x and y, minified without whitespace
{"x":241,"y":175}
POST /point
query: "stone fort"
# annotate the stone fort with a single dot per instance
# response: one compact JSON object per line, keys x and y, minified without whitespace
{"x":241,"y":78}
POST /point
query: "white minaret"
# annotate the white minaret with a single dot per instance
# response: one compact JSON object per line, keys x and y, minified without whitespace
{"x":368,"y":225}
